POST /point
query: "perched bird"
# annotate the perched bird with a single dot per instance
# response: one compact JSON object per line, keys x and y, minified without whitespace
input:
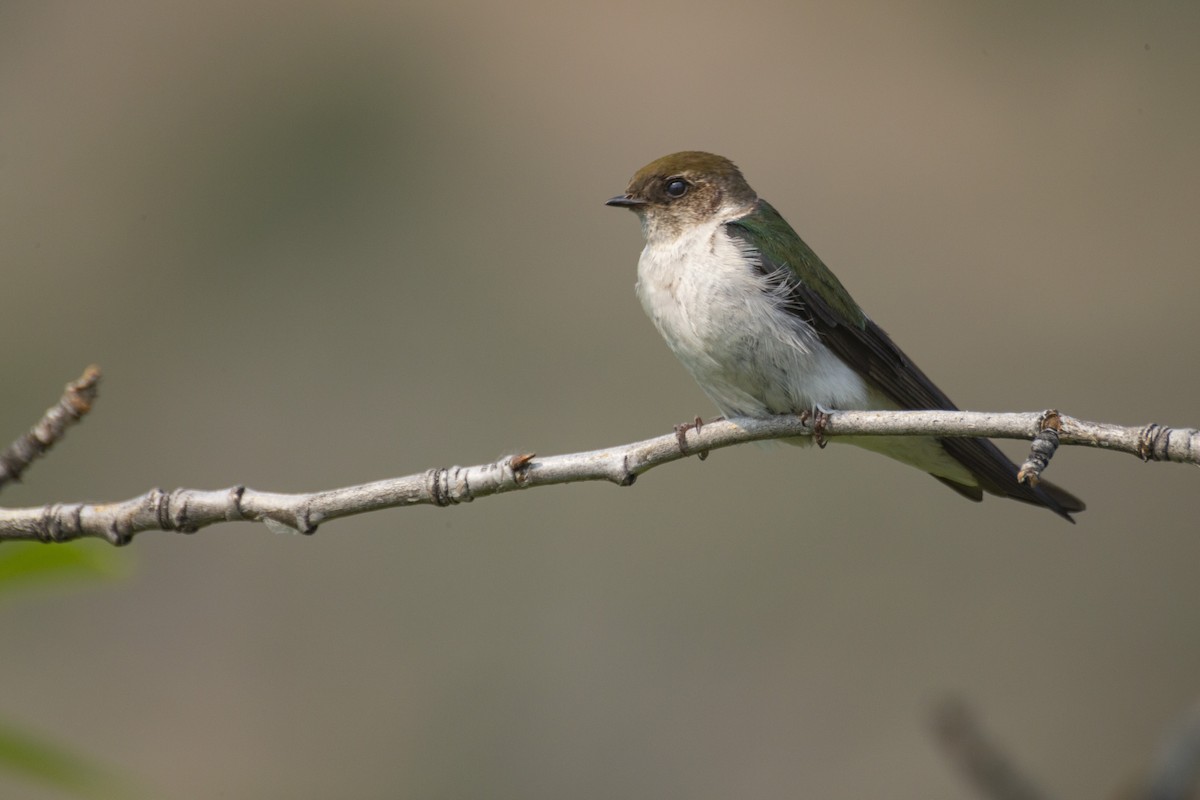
{"x":765,"y":328}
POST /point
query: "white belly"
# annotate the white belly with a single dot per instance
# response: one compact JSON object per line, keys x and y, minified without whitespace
{"x":718,"y":315}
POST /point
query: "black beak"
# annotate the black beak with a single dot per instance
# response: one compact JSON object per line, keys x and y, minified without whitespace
{"x":625,"y":201}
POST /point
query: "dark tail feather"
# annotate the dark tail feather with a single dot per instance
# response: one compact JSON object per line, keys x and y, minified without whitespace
{"x":998,"y":475}
{"x":1053,"y":497}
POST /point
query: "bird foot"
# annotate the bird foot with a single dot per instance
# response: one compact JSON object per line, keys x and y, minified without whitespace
{"x":681,"y":434}
{"x":819,"y":417}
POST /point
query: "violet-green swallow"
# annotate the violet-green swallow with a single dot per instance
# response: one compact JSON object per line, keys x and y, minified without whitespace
{"x":765,"y":328}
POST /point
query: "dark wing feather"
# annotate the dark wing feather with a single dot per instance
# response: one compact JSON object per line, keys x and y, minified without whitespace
{"x":818,"y":297}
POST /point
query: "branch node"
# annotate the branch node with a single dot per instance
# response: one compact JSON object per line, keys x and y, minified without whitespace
{"x":519,"y":462}
{"x":233,"y":504}
{"x":160,"y":501}
{"x":518,"y":465}
{"x":434,"y":482}
{"x":1051,"y":419}
{"x":180,"y":518}
{"x":118,"y":533}
{"x":60,"y":523}
{"x":304,"y":521}
{"x":628,"y":476}
{"x":1152,"y":442}
{"x":448,"y":486}
{"x":80,"y":394}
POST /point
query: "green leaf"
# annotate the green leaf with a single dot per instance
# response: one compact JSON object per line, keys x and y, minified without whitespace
{"x":52,"y":765}
{"x":24,"y":564}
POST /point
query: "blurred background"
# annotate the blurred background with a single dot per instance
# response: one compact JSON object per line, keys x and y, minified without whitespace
{"x":315,"y":244}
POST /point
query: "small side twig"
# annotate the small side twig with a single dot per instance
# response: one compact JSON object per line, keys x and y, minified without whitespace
{"x":1176,"y":771}
{"x":75,"y":402}
{"x":1042,"y":449}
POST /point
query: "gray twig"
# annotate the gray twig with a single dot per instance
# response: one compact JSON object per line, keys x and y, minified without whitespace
{"x":188,"y":510}
{"x":75,"y":402}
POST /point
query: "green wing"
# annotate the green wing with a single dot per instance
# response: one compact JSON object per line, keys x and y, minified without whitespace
{"x":769,"y":234}
{"x":815,"y":295}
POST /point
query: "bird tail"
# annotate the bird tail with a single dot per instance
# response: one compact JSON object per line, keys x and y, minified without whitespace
{"x":998,"y":475}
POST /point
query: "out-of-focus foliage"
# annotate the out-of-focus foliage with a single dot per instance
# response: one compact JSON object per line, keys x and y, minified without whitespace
{"x":24,"y":564}
{"x":22,"y":753}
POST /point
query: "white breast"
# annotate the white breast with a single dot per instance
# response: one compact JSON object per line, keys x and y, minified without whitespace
{"x":704,"y":294}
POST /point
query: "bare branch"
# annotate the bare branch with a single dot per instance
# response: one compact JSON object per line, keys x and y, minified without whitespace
{"x":75,"y":402}
{"x":981,"y":761}
{"x":1176,"y":771}
{"x":1174,"y":775}
{"x":188,"y":510}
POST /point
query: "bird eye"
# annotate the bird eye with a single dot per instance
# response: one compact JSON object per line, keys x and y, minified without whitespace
{"x":676,"y":187}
